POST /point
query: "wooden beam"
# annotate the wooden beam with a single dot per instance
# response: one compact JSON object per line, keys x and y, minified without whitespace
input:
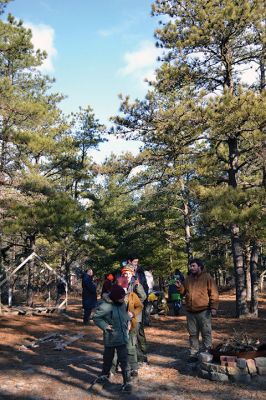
{"x":17,"y":269}
{"x":46,"y":265}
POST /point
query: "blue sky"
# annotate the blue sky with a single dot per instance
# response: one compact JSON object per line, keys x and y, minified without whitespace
{"x":96,"y":50}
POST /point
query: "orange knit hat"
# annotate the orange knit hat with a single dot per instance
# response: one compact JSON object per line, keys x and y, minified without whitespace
{"x":128,"y":268}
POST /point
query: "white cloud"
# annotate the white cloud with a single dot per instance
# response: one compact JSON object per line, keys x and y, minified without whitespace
{"x":142,"y":62}
{"x":122,"y":28}
{"x":249,"y":73}
{"x":43,"y":39}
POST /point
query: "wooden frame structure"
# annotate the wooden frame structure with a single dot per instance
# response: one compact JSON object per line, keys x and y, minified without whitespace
{"x":20,"y":266}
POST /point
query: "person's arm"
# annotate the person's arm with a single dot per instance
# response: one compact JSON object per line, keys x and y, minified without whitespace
{"x":181,"y":288}
{"x":213,"y":296}
{"x":139,"y":290}
{"x":100,"y":316}
{"x":138,"y":306}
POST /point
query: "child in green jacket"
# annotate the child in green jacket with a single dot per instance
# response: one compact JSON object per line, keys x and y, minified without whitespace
{"x":112,"y":317}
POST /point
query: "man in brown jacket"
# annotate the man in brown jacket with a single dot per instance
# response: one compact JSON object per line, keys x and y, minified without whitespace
{"x":201,"y":297}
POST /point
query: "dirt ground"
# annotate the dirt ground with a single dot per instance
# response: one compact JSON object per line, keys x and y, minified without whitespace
{"x":43,"y":373}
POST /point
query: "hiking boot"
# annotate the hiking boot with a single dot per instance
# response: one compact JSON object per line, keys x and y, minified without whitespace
{"x":134,"y":373}
{"x":193,"y":359}
{"x":126,"y":388}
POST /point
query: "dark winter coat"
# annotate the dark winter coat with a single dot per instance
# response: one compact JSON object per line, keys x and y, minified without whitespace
{"x":89,"y":295}
{"x":140,"y":274}
{"x":108,"y":313}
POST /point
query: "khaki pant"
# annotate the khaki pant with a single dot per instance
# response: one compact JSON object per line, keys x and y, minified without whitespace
{"x":199,"y":323}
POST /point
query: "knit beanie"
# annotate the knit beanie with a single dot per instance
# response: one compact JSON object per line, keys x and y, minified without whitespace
{"x":117,"y":293}
{"x":128,"y":268}
{"x":122,"y":281}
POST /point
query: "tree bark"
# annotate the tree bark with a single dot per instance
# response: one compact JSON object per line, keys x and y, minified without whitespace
{"x":186,"y":214}
{"x":241,"y":295}
{"x":254,"y":278}
{"x":30,"y":273}
{"x":247,"y":261}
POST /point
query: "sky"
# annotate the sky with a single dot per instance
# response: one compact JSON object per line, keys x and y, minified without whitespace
{"x":96,"y":50}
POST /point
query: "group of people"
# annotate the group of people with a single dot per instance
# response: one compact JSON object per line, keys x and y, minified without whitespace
{"x":121,"y":314}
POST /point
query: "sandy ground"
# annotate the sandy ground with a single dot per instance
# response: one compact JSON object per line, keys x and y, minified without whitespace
{"x":43,"y":373}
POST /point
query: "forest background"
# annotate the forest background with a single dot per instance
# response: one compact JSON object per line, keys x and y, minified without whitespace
{"x":196,"y":188}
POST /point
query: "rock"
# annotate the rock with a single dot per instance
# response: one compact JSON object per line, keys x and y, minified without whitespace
{"x":215,"y":376}
{"x":213,"y":368}
{"x":232,"y":364}
{"x":228,"y":358}
{"x":241,"y":363}
{"x":251,"y":367}
{"x":204,"y":374}
{"x":205,"y":357}
{"x":260,"y":361}
{"x":236,"y":371}
{"x":261,"y":370}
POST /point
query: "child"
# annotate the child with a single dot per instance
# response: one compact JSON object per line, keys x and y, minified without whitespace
{"x":174,"y":296}
{"x":112,"y":317}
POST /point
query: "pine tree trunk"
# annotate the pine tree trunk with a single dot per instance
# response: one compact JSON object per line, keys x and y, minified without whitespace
{"x":247,"y":272}
{"x":254,"y":278}
{"x":237,"y":247}
{"x":241,"y":297}
{"x":29,"y":300}
{"x":186,"y":213}
{"x":187,"y":232}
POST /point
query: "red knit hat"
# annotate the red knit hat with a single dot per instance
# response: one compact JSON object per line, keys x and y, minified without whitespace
{"x":110,"y":277}
{"x":117,"y":293}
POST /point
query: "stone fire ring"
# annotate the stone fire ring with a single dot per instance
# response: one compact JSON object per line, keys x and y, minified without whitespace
{"x":245,"y":367}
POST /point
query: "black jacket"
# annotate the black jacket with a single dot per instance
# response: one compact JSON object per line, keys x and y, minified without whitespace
{"x":140,"y":274}
{"x":89,"y":296}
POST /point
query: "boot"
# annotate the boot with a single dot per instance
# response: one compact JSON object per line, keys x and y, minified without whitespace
{"x":126,"y":387}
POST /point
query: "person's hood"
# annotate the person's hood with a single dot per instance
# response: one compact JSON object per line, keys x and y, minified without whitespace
{"x":106,"y":298}
{"x":148,"y":274}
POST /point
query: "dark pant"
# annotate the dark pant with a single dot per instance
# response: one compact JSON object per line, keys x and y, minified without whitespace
{"x":122,"y":359}
{"x":141,"y":342}
{"x":86,"y":314}
{"x":131,"y":352}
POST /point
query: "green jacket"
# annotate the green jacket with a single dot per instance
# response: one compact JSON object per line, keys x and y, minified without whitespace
{"x":108,"y":313}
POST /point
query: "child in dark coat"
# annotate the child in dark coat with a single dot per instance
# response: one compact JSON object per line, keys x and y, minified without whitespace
{"x":112,"y":317}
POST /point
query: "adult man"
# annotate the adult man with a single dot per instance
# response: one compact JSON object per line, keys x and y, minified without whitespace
{"x":201,"y":297}
{"x":89,"y":296}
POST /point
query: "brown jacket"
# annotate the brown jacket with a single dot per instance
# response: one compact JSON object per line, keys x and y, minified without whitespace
{"x":200,"y":292}
{"x":135,"y":306}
